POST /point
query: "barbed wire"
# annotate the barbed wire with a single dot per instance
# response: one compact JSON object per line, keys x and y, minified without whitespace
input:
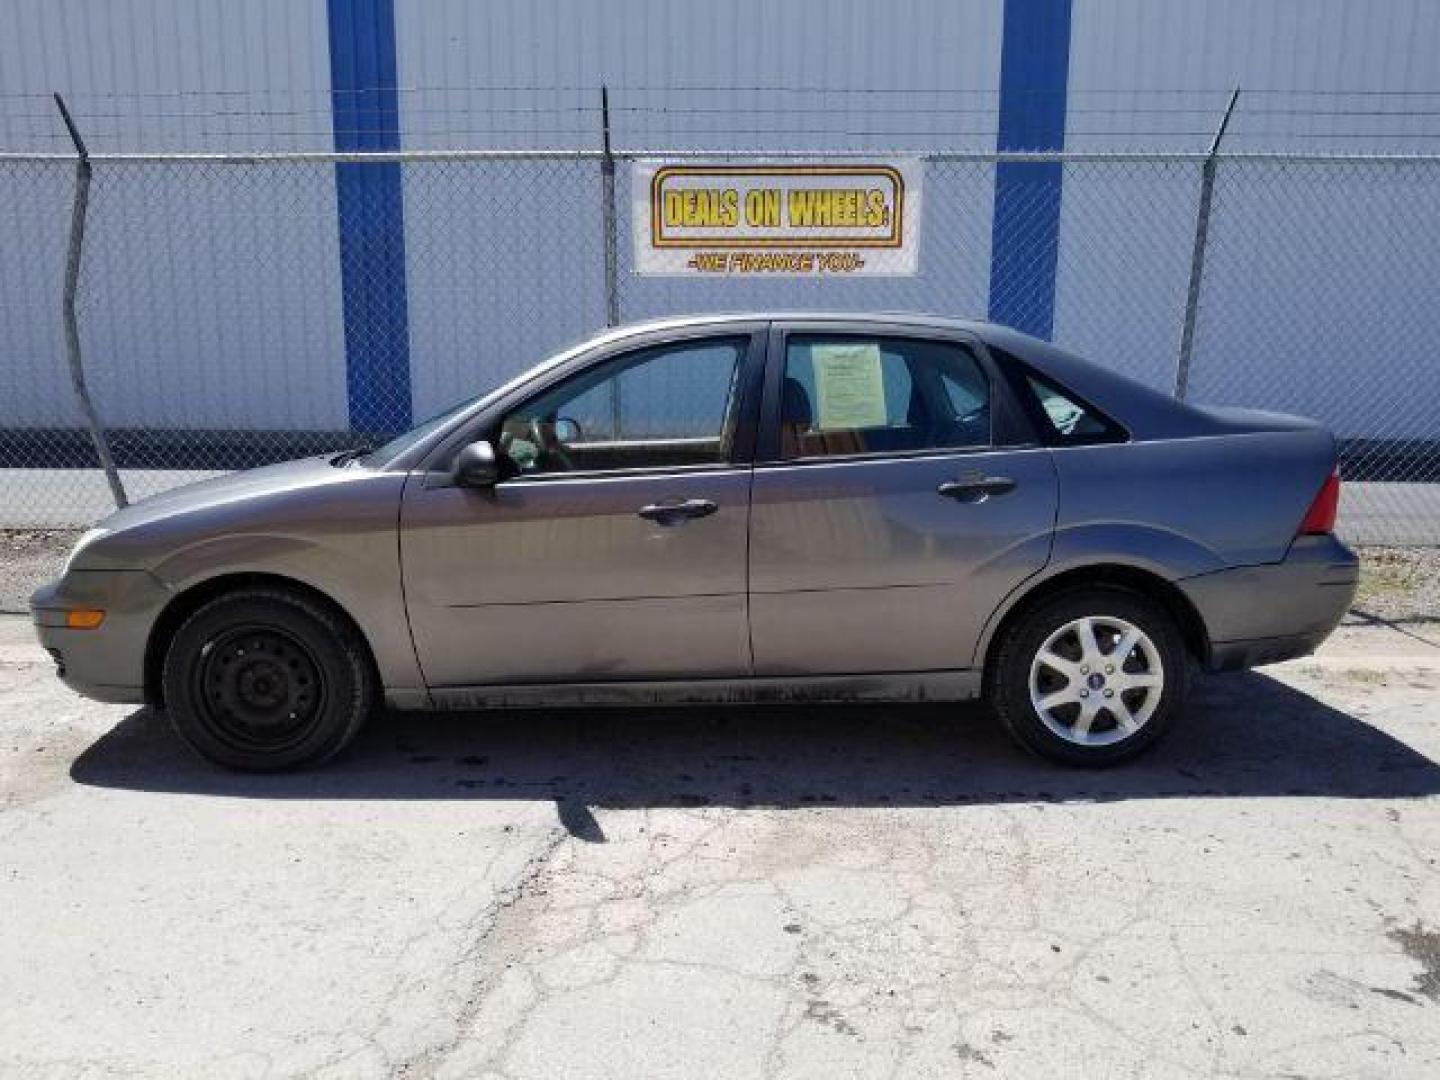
{"x":990,"y":90}
{"x":740,"y":117}
{"x":1073,"y":94}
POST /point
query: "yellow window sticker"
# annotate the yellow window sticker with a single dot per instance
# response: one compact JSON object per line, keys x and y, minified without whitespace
{"x":850,"y":386}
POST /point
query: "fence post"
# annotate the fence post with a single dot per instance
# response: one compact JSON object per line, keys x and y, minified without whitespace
{"x":607,"y":210}
{"x":1197,"y":254}
{"x":72,"y":326}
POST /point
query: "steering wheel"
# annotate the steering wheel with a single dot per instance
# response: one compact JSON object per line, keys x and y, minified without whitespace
{"x":545,"y":440}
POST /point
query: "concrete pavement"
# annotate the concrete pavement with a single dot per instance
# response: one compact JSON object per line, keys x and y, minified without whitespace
{"x":868,"y":892}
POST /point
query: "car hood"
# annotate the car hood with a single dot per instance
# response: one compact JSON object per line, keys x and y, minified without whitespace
{"x":285,"y":499}
{"x":218,"y":490}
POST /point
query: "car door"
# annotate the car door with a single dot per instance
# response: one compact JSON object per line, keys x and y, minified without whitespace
{"x":898,"y":497}
{"x":615,"y":547}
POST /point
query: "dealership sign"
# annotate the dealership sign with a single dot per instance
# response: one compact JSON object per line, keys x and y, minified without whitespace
{"x":813,"y":219}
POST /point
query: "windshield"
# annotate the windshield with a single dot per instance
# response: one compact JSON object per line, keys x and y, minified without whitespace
{"x":383,"y":455}
{"x":386,"y":452}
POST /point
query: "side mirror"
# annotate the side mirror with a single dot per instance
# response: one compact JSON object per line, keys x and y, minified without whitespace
{"x":476,"y":465}
{"x":567,"y":431}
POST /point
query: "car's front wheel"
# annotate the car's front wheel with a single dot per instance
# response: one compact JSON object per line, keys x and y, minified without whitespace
{"x":265,"y":680}
{"x":1090,"y":677}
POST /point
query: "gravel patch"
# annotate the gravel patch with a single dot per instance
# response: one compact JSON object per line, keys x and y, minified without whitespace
{"x":1399,"y":584}
{"x":29,"y":557}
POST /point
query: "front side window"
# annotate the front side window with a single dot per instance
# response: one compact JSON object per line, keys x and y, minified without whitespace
{"x":669,"y":405}
{"x":846,"y":394}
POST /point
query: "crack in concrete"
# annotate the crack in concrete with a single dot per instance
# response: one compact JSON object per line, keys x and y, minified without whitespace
{"x":487,"y":924}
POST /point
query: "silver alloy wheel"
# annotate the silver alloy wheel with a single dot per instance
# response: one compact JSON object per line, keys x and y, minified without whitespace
{"x":1096,"y":680}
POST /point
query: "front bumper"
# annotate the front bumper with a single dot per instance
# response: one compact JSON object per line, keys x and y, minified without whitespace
{"x":1263,"y":614}
{"x":108,"y":662}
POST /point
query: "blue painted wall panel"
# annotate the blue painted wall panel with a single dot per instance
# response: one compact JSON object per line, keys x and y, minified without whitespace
{"x":370,"y":210}
{"x":1034,"y":71}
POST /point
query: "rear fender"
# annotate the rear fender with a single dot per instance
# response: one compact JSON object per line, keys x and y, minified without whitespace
{"x":1240,"y":497}
{"x":1144,"y":548}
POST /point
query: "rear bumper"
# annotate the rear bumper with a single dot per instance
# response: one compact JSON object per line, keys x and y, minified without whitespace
{"x":1237,"y":655}
{"x":1263,"y":614}
{"x":108,"y":662}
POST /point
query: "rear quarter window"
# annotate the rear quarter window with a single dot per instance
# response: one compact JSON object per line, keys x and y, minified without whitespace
{"x":1062,"y":417}
{"x":1068,"y":419}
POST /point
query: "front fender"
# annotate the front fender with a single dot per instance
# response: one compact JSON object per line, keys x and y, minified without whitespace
{"x":360,"y":572}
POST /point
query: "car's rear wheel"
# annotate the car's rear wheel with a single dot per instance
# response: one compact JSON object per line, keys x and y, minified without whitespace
{"x":265,"y":680}
{"x":1090,"y":677}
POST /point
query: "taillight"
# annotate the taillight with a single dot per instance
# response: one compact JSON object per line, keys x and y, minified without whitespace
{"x":1320,"y":518}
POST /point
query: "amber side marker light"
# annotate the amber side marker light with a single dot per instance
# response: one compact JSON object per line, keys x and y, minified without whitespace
{"x":84,"y":618}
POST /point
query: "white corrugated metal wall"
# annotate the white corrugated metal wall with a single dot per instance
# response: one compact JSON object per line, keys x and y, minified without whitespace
{"x":689,"y":76}
{"x":256,"y":297}
{"x":1317,"y":75}
{"x":212,"y":296}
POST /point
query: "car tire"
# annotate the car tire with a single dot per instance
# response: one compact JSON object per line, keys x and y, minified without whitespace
{"x":1070,"y":696}
{"x":265,"y":680}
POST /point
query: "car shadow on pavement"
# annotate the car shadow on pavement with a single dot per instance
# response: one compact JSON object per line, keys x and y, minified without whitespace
{"x":1245,"y":735}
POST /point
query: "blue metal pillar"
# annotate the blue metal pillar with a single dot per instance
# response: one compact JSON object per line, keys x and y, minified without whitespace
{"x":1034,"y":79}
{"x":371,"y":215}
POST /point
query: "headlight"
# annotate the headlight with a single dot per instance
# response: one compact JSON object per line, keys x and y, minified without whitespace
{"x":85,"y":541}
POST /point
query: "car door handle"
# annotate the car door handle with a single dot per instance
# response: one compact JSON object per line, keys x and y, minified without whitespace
{"x":674,"y":513}
{"x":976,"y":489}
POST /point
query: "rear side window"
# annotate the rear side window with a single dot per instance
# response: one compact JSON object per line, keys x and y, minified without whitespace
{"x":846,"y":394}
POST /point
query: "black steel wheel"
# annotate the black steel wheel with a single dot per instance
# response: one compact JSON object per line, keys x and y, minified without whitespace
{"x":264,"y":680}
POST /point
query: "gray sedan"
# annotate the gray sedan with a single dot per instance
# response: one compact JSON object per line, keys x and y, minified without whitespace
{"x":726,"y":509}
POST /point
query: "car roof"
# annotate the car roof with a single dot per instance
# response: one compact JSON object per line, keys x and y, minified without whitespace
{"x":1143,"y":410}
{"x":907,"y":318}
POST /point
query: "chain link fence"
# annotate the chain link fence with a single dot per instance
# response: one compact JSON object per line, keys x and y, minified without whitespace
{"x":225,"y":322}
